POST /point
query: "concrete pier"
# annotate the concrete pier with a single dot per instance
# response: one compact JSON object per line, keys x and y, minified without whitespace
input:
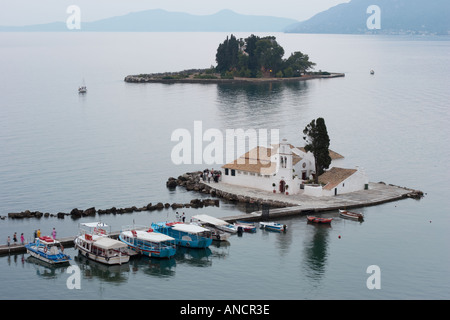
{"x":377,"y":193}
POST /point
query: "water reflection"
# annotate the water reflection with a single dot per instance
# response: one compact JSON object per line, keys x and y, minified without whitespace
{"x":264,"y":105}
{"x":108,"y":273}
{"x":46,"y":270}
{"x":316,"y":251}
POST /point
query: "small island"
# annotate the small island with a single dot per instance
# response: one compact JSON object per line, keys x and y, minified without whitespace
{"x":253,"y":59}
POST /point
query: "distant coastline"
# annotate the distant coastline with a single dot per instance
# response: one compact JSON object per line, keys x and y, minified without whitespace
{"x":197,"y":76}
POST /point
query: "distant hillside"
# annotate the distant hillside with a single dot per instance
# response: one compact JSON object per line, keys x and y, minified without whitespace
{"x":397,"y":17}
{"x":160,"y":21}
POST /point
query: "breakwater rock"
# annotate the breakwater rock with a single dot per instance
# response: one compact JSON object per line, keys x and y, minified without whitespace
{"x":90,"y":212}
{"x":193,"y":181}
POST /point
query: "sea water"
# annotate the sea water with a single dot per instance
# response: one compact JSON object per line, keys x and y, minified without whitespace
{"x":112,"y":147}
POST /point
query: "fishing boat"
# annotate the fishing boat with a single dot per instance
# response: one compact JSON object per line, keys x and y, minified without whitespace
{"x":94,"y":243}
{"x":48,"y":250}
{"x":245,"y":226}
{"x":219,"y":228}
{"x":273,"y":226}
{"x":314,"y":219}
{"x":186,"y":235}
{"x":351,"y":215}
{"x":144,"y":240}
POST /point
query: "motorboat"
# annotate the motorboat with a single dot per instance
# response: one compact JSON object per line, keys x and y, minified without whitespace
{"x":351,"y":215}
{"x":273,"y":226}
{"x":186,"y":235}
{"x":144,"y":240}
{"x":94,"y":243}
{"x":48,"y":250}
{"x":245,"y":226}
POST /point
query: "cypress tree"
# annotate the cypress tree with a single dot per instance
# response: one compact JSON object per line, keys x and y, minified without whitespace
{"x":318,"y":142}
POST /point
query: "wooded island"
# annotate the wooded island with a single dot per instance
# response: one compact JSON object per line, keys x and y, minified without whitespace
{"x":252,"y":59}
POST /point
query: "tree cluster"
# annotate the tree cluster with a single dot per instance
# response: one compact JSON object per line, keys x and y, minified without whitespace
{"x":259,"y":57}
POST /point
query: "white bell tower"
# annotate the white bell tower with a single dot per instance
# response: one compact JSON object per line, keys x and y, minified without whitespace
{"x":284,"y":165}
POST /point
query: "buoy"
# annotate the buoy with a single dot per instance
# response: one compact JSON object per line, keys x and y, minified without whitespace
{"x":339,"y":236}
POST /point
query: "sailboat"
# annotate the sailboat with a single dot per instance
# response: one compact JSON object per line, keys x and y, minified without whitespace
{"x":82,"y":88}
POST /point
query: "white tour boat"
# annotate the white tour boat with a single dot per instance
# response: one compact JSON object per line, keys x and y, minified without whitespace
{"x":94,"y":243}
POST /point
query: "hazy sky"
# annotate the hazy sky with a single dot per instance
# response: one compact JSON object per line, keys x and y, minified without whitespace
{"x":26,"y":12}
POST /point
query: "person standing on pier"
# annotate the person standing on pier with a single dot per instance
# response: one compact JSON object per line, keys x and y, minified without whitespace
{"x":54,"y":234}
{"x":22,"y":239}
{"x":39,"y":233}
{"x":15,"y":237}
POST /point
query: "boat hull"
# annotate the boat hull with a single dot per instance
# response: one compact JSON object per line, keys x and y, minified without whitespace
{"x":273,"y":226}
{"x":151,"y":251}
{"x":183,"y":239}
{"x":38,"y":253}
{"x":319,"y":220}
{"x":351,"y":215}
{"x":109,"y":260}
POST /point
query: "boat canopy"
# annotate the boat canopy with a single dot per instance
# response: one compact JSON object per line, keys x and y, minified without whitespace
{"x":94,"y":224}
{"x":149,"y":236}
{"x":208,"y":219}
{"x":189,"y":228}
{"x":108,"y":243}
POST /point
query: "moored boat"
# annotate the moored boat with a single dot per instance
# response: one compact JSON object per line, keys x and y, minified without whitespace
{"x":216,"y":226}
{"x":48,"y":250}
{"x":94,"y":243}
{"x":245,"y":226}
{"x":273,"y":226}
{"x":144,"y":240}
{"x":351,"y":215}
{"x":186,"y":235}
{"x":314,"y":219}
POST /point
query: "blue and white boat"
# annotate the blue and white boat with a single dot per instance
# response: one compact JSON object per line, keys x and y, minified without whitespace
{"x":273,"y":226}
{"x":186,"y":235}
{"x":143,"y":240}
{"x":48,"y":250}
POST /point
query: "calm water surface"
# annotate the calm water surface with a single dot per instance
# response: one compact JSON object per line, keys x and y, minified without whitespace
{"x":111,"y":147}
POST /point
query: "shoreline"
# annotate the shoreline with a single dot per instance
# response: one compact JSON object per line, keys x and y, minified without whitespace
{"x":236,"y":80}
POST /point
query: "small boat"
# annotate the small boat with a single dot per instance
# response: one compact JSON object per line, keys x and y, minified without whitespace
{"x":273,"y":226}
{"x":144,"y":240}
{"x":94,"y":243}
{"x":48,"y":250}
{"x":220,"y":229}
{"x":245,"y":226}
{"x":351,"y":215}
{"x":314,"y":219}
{"x":82,"y":88}
{"x":186,"y":235}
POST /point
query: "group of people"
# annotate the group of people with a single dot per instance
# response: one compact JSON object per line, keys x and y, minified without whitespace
{"x":207,"y":175}
{"x":37,"y":234}
{"x":180,"y":218}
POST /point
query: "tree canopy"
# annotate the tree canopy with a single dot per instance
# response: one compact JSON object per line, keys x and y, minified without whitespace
{"x":318,"y":142}
{"x":259,"y":57}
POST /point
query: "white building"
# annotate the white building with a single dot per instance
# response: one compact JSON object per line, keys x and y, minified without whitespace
{"x":283,"y":168}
